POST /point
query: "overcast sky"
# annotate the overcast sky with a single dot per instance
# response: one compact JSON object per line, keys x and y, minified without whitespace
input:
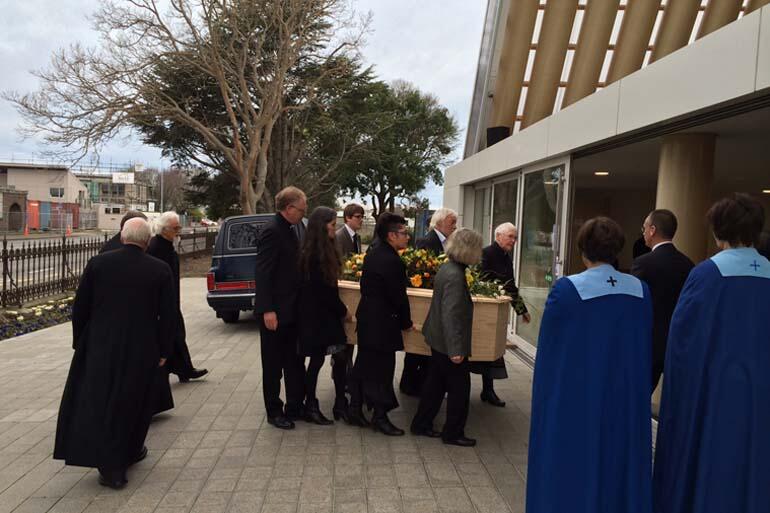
{"x":431,"y":43}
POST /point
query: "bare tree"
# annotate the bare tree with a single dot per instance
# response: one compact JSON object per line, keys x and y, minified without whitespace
{"x":245,"y":47}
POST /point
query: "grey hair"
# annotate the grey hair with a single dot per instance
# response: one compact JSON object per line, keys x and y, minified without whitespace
{"x":441,"y":214}
{"x":136,"y":231}
{"x":504,"y":228}
{"x":164,"y":220}
{"x":464,"y":246}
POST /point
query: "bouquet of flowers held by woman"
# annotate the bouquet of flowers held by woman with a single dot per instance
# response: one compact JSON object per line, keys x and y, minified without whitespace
{"x":421,"y":268}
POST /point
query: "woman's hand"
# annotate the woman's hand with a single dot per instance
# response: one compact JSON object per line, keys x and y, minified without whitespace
{"x":457,"y":359}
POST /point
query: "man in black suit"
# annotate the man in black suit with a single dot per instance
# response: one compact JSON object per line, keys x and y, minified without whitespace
{"x":277,"y":282}
{"x":348,"y":242}
{"x":497,"y":265}
{"x":382,"y":314}
{"x":114,"y":243}
{"x":123,"y":320}
{"x":443,"y":223}
{"x":347,"y":239}
{"x":665,"y":270}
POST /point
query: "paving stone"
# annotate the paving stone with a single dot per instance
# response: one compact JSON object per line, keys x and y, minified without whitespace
{"x":215,"y":453}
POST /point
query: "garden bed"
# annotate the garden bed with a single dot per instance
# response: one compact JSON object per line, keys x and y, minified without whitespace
{"x":15,"y":322}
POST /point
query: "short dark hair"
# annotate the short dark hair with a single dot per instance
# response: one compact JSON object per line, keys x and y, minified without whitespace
{"x":131,"y":214}
{"x":763,"y":245}
{"x":287,"y":196}
{"x":351,"y":210}
{"x":664,"y":222}
{"x":738,"y":219}
{"x":600,"y":239}
{"x":388,"y":222}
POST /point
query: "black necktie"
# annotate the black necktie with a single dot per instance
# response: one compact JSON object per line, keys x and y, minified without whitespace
{"x":356,"y":243}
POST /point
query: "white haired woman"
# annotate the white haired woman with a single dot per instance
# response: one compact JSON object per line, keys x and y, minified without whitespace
{"x":447,"y":331}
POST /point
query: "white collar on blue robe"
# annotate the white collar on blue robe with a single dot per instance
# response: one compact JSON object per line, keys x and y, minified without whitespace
{"x":742,"y":262}
{"x":604,"y":281}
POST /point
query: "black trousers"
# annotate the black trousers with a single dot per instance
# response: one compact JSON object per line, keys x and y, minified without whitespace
{"x":280,"y":358}
{"x":414,"y":374}
{"x":452,"y":379}
{"x":342,"y":364}
{"x":371,"y":381}
{"x":180,"y":362}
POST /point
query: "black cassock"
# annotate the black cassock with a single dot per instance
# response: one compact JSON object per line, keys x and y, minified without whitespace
{"x":497,"y":265}
{"x":122,"y":324}
{"x":180,"y":361}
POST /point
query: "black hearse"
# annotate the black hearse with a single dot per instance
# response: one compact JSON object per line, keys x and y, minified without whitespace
{"x":230,"y":281}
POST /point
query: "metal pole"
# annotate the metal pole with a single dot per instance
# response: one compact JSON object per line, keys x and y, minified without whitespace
{"x":161,"y":187}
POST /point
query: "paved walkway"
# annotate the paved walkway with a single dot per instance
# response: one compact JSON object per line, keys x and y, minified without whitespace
{"x":215,"y":453}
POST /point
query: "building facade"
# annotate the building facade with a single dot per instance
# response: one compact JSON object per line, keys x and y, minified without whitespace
{"x":611,"y":107}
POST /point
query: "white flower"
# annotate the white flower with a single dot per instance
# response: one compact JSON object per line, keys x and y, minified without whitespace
{"x":62,"y":307}
{"x":70,"y":298}
{"x":49,"y":307}
{"x":38,"y":313}
{"x":20,"y":318}
{"x":12,"y":312}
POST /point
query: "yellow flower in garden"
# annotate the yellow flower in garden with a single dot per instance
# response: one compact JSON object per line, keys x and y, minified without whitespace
{"x":416,"y":281}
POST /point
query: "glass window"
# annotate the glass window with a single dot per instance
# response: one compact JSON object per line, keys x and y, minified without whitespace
{"x":243,"y":235}
{"x":536,"y":237}
{"x":57,"y":192}
{"x":481,"y":213}
{"x":506,"y":199}
{"x":116,"y":210}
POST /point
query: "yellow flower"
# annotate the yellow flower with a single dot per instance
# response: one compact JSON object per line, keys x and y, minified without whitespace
{"x":416,"y":281}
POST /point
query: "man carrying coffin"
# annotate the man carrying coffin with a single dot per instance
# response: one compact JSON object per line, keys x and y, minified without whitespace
{"x":443,"y":223}
{"x":123,"y":321}
{"x":713,"y":449}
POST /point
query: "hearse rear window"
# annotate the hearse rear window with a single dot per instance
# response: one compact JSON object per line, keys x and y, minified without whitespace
{"x":242,"y":235}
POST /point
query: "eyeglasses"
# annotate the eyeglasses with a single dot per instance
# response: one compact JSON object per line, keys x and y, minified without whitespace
{"x":176,"y":228}
{"x":358,"y":216}
{"x":295,"y":207}
{"x":400,"y":232}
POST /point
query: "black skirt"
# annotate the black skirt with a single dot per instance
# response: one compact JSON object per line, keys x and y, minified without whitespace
{"x":493,"y":370}
{"x":373,"y":374}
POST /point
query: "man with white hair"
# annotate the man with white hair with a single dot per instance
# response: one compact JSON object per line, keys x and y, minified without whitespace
{"x":443,"y":224}
{"x":167,"y":228}
{"x":497,"y":265}
{"x":123,"y":319}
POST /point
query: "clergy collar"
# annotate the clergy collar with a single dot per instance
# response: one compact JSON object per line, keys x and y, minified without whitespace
{"x":742,"y":262}
{"x":604,"y":280}
{"x":659,"y":244}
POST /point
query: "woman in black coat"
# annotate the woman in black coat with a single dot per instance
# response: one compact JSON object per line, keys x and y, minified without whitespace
{"x":382,"y":314}
{"x":320,"y":309}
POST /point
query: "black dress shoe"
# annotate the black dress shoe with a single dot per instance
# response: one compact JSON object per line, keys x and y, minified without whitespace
{"x":313,"y":414}
{"x":489,"y":396}
{"x":384,"y":426}
{"x":340,"y":410}
{"x":280,"y":422}
{"x":114,"y":479}
{"x":462,"y":441}
{"x":356,"y":417}
{"x":193,"y":374}
{"x":141,"y":455}
{"x":430,"y":433}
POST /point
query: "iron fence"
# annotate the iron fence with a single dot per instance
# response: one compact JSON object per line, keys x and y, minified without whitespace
{"x":195,"y":242}
{"x":42,"y":268}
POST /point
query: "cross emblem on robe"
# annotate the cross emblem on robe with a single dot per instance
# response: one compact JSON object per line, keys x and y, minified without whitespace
{"x":612,"y":281}
{"x":755,"y":265}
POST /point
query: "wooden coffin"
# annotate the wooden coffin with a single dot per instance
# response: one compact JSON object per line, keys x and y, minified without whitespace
{"x":490,"y":322}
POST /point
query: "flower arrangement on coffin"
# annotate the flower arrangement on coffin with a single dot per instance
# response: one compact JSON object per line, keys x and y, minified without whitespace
{"x":27,"y":320}
{"x":421,"y":268}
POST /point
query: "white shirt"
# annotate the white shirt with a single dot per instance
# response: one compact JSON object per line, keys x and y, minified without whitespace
{"x":441,"y":237}
{"x":351,"y":231}
{"x":659,"y":244}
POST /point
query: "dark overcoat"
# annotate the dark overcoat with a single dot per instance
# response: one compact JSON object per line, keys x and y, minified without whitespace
{"x":122,"y":321}
{"x":431,"y":242}
{"x":112,"y":244}
{"x":383,"y":311}
{"x":277,"y":274}
{"x":322,"y":314}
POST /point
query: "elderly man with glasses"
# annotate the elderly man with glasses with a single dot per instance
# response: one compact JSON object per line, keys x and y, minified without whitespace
{"x":277,"y":282}
{"x":167,"y":228}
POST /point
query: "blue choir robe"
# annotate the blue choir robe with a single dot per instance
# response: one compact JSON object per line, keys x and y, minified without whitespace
{"x":590,"y":436}
{"x":713,"y":447}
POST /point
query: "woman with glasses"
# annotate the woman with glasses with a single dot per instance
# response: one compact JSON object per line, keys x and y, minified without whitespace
{"x":383,"y":313}
{"x":321,"y":331}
